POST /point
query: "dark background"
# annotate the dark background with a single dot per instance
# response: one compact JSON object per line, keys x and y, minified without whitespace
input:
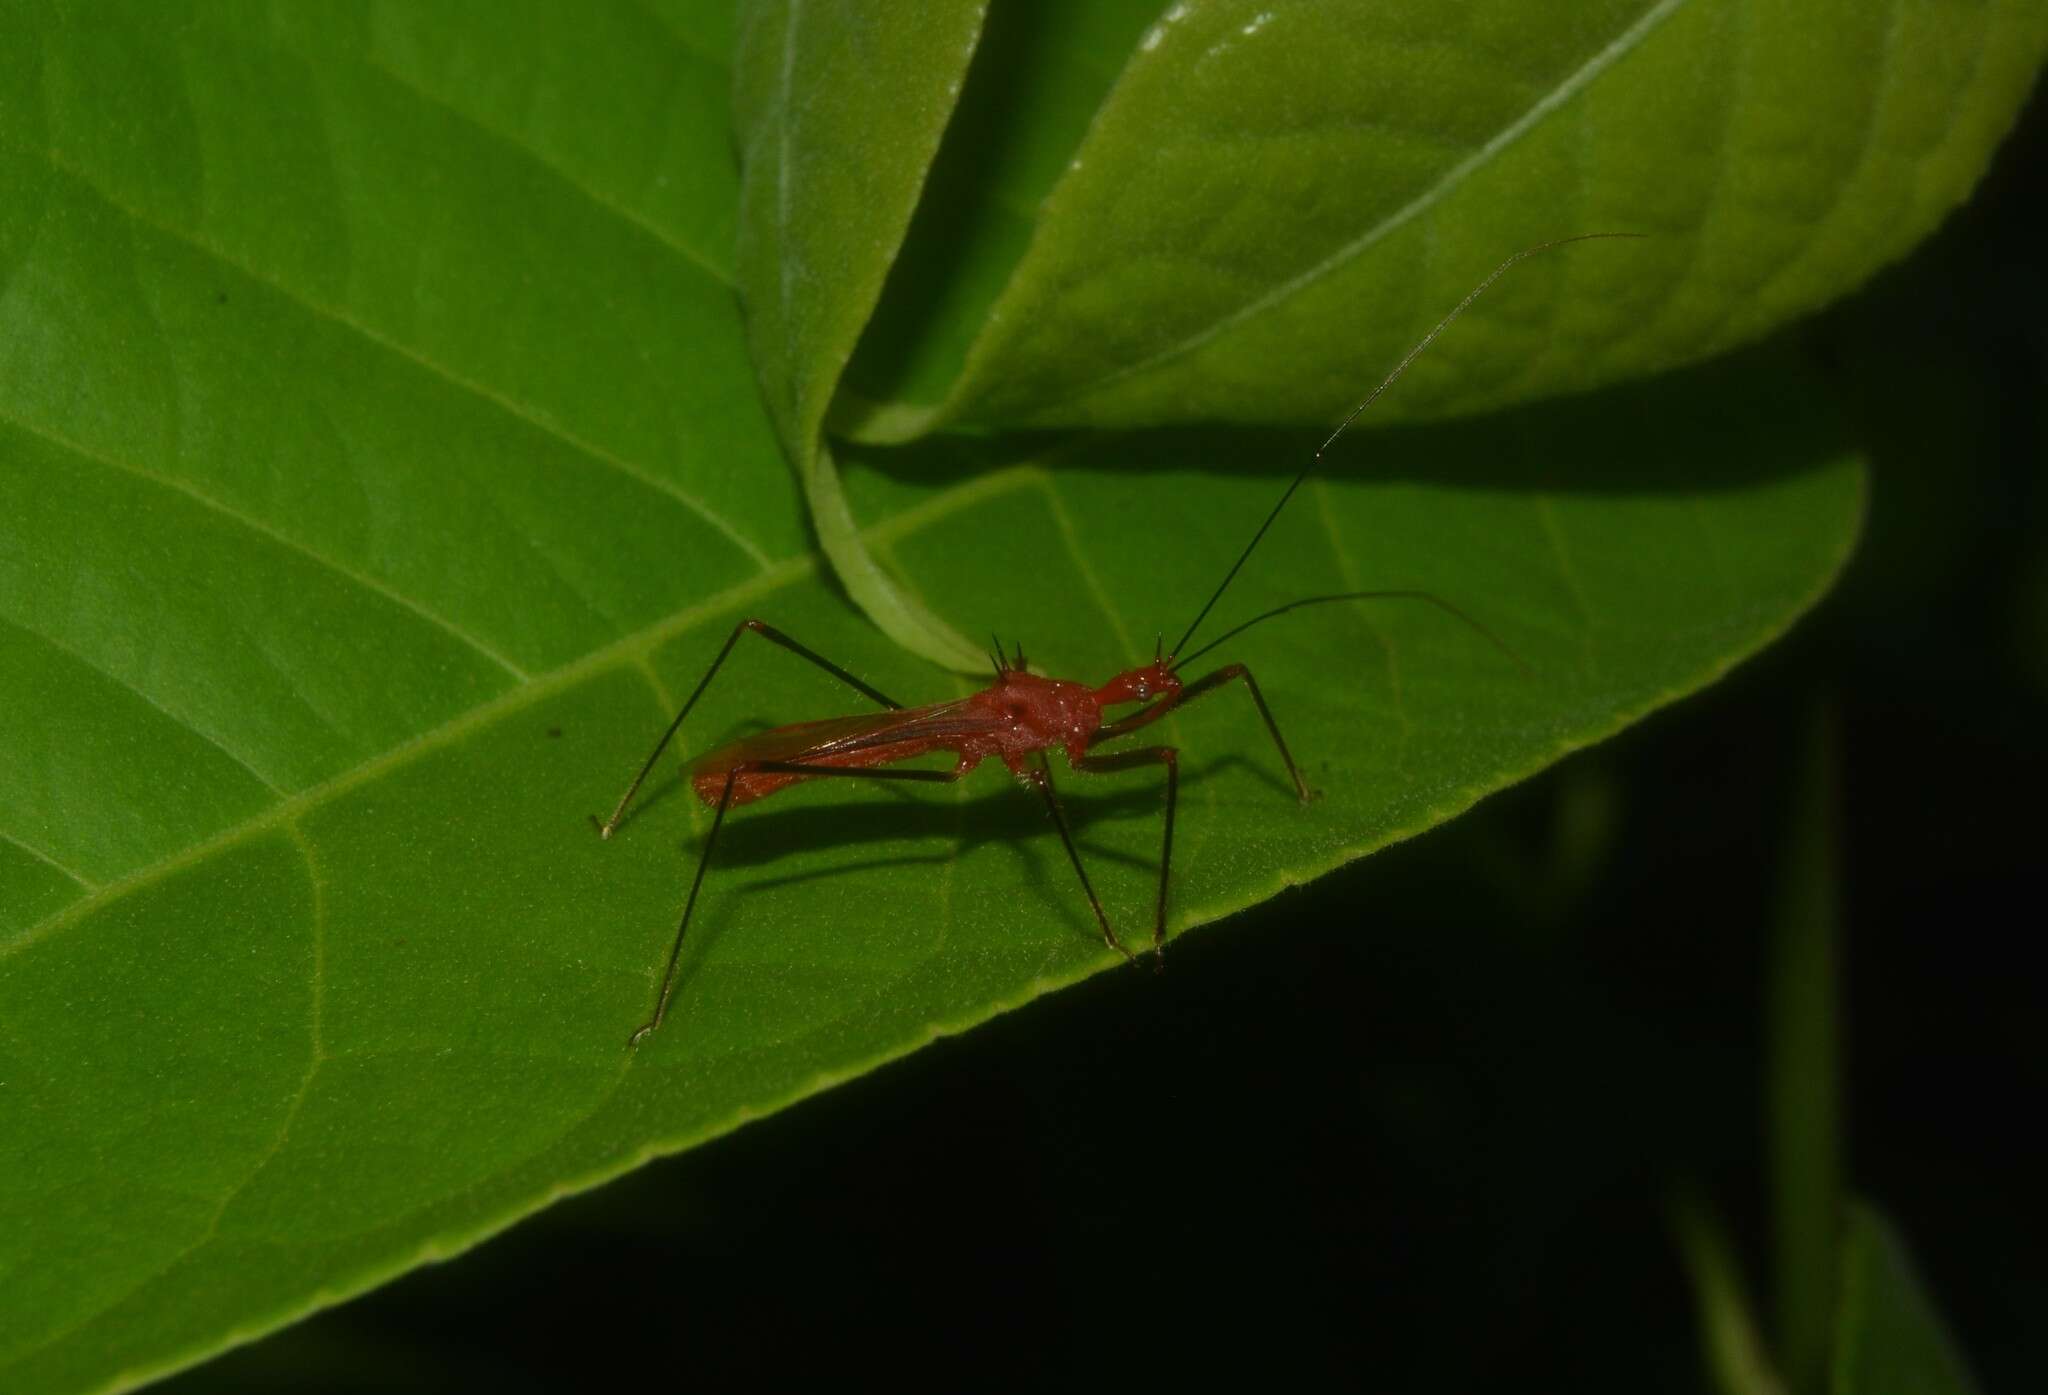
{"x":1415,"y":1126}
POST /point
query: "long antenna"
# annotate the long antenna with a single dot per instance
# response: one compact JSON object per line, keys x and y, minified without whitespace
{"x":1372,"y":397}
{"x":1438,"y":601}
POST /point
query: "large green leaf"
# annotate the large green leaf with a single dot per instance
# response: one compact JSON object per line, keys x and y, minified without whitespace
{"x":380,"y":456}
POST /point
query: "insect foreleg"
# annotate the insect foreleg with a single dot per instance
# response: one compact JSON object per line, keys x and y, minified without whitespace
{"x":773,"y":636}
{"x":1169,"y":757}
{"x":1202,"y":687}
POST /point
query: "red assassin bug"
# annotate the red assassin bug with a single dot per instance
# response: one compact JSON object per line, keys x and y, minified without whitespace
{"x":1018,"y":718}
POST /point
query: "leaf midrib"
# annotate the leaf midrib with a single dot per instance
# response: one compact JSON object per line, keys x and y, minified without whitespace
{"x":628,"y":650}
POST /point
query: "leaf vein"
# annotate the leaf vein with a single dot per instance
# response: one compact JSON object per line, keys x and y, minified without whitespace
{"x":1446,"y":184}
{"x":783,"y":114}
{"x":513,"y":408}
{"x":661,"y":235}
{"x":685,"y":40}
{"x":271,"y":534}
{"x":39,"y":855}
{"x":1567,"y":572}
{"x":182,"y":723}
{"x":1089,"y":580}
{"x":626,"y":649}
{"x":211,"y":1229}
{"x":542,"y":686}
{"x":1349,"y":571}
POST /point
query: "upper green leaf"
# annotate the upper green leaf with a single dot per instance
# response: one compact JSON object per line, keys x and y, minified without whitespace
{"x":1270,"y":203}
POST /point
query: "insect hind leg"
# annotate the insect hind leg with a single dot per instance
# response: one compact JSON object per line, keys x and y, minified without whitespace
{"x":732,"y":776}
{"x":675,"y":953}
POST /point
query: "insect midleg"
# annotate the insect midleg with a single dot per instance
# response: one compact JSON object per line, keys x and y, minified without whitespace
{"x":1202,"y":687}
{"x":766,"y":767}
{"x":1169,"y":757}
{"x":1040,"y":776}
{"x":773,"y":636}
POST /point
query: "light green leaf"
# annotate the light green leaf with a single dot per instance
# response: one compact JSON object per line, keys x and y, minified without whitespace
{"x":1271,"y":202}
{"x":379,"y":459}
{"x":1889,"y":1338}
{"x":1730,"y":1341}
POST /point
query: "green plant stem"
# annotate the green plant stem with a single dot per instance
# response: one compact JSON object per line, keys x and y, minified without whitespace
{"x":1803,"y":1098}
